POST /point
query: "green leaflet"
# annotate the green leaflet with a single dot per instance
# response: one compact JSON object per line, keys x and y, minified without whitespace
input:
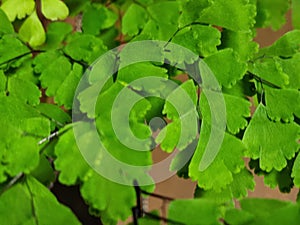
{"x":59,"y":76}
{"x":273,"y":153}
{"x":5,"y":26}
{"x":171,"y":9}
{"x":236,"y":116}
{"x":19,"y":143}
{"x":131,"y":74}
{"x":271,"y":13}
{"x":291,"y":67}
{"x":296,"y":171}
{"x":21,"y":83}
{"x":17,"y":8}
{"x":56,"y":33}
{"x":263,"y":211}
{"x":3,"y":81}
{"x":217,"y":14}
{"x":32,"y":31}
{"x":282,"y":104}
{"x":180,"y":107}
{"x":111,"y":200}
{"x":84,"y":47}
{"x":281,"y":179}
{"x":287,"y":45}
{"x":191,"y":11}
{"x":134,"y":19}
{"x":54,"y":9}
{"x":241,"y":42}
{"x":44,"y":172}
{"x":96,"y":17}
{"x":274,"y":178}
{"x":67,"y":152}
{"x":115,"y":201}
{"x":295,"y":15}
{"x":183,"y":211}
{"x":114,"y":124}
{"x":53,"y":112}
{"x":162,"y":26}
{"x":17,"y":48}
{"x":149,"y":23}
{"x":25,"y":90}
{"x":242,"y":88}
{"x":226,"y":67}
{"x":238,"y":189}
{"x":36,"y":205}
{"x":227,"y":162}
{"x":270,"y":70}
{"x":202,"y":40}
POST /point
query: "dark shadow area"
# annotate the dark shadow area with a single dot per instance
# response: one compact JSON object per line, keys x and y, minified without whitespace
{"x":70,"y":196}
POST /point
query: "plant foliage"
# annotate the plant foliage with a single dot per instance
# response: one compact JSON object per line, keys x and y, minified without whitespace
{"x":45,"y":48}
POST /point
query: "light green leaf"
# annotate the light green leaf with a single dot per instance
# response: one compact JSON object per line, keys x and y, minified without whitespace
{"x":228,"y":161}
{"x":226,"y":67}
{"x":54,"y":9}
{"x":217,"y":14}
{"x":183,"y":211}
{"x":282,"y":104}
{"x":271,"y":13}
{"x":273,"y":153}
{"x":5,"y":26}
{"x":17,"y":8}
{"x":32,"y":31}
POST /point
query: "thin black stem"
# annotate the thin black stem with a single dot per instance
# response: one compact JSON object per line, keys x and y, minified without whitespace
{"x":166,"y":220}
{"x":157,"y":195}
{"x":20,"y":56}
{"x":83,"y":64}
{"x":263,"y":81}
